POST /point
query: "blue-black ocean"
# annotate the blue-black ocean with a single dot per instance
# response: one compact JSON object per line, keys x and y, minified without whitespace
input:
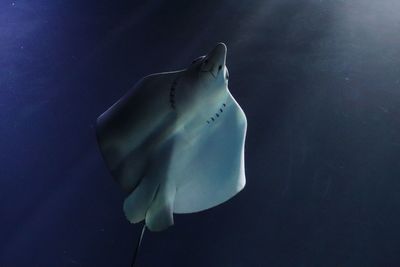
{"x":319,"y":81}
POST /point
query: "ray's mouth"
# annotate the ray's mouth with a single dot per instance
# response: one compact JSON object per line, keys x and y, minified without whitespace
{"x":215,"y":60}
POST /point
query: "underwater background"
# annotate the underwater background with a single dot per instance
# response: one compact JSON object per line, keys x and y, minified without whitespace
{"x":319,"y":81}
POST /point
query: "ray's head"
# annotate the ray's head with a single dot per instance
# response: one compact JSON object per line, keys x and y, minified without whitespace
{"x":211,"y":67}
{"x":204,"y":87}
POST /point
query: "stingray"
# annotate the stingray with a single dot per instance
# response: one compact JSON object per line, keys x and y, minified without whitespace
{"x":175,"y":142}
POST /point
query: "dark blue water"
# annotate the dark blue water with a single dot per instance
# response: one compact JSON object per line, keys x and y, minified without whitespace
{"x":318,"y":80}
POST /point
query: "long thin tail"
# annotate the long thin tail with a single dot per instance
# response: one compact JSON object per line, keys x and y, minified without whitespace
{"x":138,"y":246}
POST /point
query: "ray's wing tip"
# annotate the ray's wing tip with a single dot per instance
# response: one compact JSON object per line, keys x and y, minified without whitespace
{"x":242,"y":184}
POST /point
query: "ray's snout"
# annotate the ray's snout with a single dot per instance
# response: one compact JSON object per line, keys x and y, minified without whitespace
{"x":215,"y":60}
{"x":218,"y":54}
